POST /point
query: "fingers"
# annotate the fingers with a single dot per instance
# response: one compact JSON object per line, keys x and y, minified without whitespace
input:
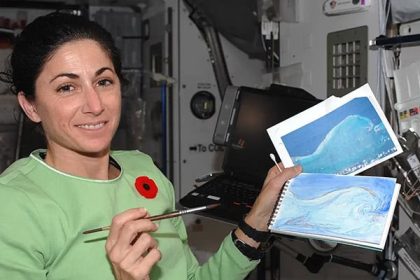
{"x":142,"y":267}
{"x":277,"y":169}
{"x":266,"y":200}
{"x":141,"y":257}
{"x":126,"y":226}
{"x":120,"y":220}
{"x":130,"y":234}
{"x":281,"y":177}
{"x":274,"y":171}
{"x":290,"y":172}
{"x":130,"y":247}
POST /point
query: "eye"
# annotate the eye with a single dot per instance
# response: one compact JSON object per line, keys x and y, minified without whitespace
{"x":65,"y":88}
{"x":105,"y":82}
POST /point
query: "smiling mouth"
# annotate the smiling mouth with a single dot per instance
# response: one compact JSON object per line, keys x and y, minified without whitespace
{"x":92,"y":126}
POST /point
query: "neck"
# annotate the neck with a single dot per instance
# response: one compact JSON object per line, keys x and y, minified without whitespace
{"x":93,"y":166}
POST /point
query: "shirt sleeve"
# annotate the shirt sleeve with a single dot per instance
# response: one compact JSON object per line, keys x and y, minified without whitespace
{"x":227,"y":263}
{"x":21,"y":237}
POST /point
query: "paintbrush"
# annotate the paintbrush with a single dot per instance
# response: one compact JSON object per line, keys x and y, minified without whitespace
{"x":173,"y":214}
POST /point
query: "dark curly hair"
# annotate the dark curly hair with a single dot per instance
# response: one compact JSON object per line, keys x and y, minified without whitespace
{"x":35,"y":45}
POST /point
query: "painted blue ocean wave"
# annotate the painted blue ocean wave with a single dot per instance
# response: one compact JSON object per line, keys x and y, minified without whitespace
{"x":351,"y":145}
{"x":355,"y":212}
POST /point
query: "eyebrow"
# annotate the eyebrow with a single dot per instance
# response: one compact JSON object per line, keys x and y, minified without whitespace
{"x":75,"y":76}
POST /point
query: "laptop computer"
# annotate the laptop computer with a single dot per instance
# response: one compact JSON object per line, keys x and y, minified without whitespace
{"x":245,"y":115}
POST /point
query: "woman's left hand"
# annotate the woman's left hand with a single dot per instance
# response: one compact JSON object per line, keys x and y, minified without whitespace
{"x":263,"y":207}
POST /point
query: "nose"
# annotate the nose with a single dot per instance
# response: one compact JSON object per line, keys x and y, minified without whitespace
{"x":93,"y":102}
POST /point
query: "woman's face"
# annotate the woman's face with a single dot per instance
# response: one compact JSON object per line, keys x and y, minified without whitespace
{"x":78,"y":99}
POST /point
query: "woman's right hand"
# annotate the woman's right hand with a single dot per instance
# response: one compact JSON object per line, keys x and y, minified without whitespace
{"x":130,"y":248}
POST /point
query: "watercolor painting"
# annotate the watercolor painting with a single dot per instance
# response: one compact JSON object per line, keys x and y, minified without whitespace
{"x":347,"y":209}
{"x":338,"y":136}
{"x":351,"y":137}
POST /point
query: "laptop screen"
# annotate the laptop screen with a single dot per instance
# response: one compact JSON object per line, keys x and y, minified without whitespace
{"x":247,"y":155}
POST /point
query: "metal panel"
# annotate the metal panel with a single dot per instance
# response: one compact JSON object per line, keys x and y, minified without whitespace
{"x":346,"y":60}
{"x":305,"y":42}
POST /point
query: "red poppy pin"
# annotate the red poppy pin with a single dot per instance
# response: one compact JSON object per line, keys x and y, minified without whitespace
{"x":146,"y":187}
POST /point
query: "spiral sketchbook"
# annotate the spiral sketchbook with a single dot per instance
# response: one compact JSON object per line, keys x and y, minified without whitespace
{"x":352,"y":210}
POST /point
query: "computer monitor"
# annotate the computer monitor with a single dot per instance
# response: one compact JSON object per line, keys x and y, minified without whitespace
{"x":245,"y":115}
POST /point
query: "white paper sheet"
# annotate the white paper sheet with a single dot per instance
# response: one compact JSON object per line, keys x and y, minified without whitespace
{"x":344,"y":135}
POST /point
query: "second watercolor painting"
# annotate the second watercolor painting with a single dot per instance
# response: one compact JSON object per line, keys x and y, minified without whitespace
{"x":343,"y":136}
{"x":354,"y":210}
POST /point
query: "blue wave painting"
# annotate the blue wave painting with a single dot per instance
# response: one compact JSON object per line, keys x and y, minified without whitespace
{"x":345,"y":207}
{"x":341,"y":142}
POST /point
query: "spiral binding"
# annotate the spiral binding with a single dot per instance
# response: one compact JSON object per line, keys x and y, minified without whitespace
{"x":278,"y":203}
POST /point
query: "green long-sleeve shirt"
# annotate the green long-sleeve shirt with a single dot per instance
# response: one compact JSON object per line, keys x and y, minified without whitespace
{"x":44,"y":211}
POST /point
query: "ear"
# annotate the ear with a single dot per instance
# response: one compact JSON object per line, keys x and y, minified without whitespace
{"x":28,"y":107}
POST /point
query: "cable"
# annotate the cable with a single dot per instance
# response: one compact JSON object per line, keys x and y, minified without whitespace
{"x":269,"y":33}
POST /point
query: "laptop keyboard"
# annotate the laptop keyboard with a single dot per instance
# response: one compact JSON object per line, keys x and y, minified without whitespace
{"x":229,"y":191}
{"x":236,"y":198}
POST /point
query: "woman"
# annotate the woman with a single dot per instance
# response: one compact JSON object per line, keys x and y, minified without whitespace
{"x":66,"y":73}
